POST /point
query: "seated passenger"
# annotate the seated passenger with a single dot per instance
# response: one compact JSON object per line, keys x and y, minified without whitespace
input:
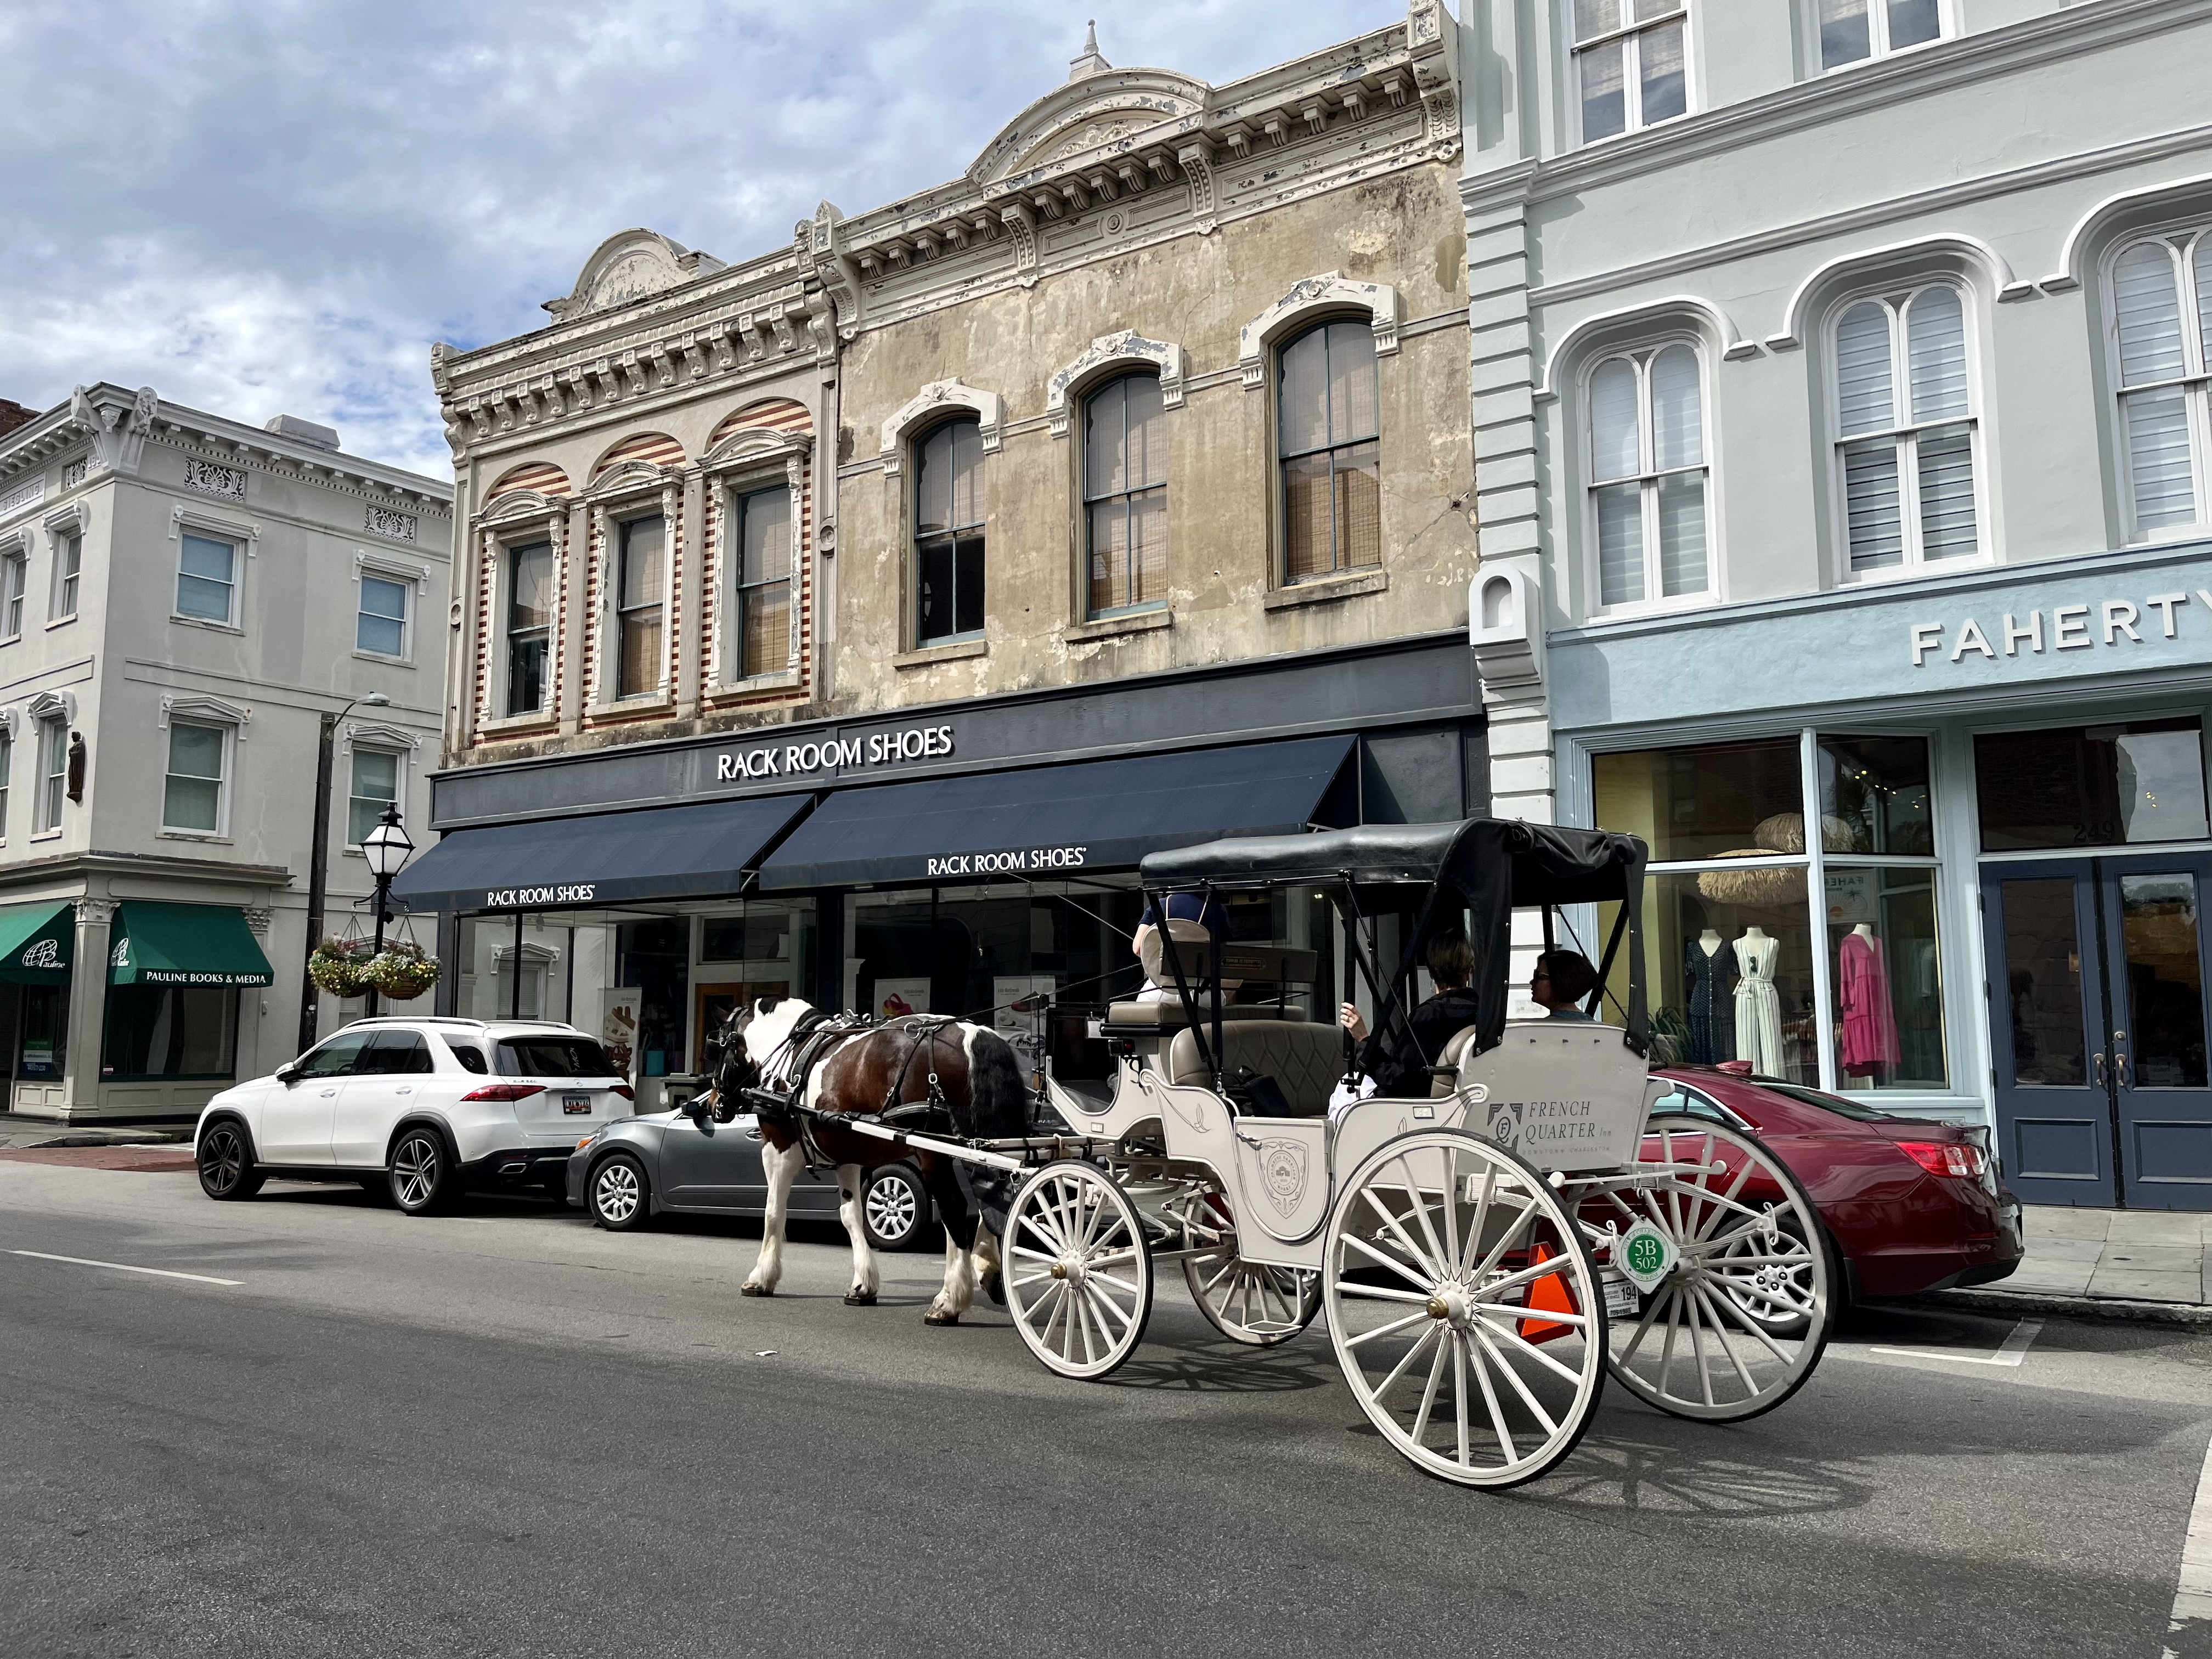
{"x":1195,"y":956}
{"x":1562,"y":983}
{"x":1399,"y":1073}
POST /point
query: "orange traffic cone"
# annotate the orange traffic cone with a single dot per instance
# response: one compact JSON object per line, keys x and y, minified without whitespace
{"x":1551,"y":1294}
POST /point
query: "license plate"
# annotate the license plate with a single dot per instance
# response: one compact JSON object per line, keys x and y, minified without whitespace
{"x":1620,"y":1296}
{"x":576,"y":1105}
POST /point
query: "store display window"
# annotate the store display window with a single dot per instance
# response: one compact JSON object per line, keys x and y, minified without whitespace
{"x":2090,"y":786}
{"x":1886,"y":971}
{"x":1726,"y":800}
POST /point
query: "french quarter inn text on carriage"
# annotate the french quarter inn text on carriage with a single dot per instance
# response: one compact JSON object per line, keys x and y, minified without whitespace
{"x":1841,"y":435}
{"x":183,"y":600}
{"x":848,"y":619}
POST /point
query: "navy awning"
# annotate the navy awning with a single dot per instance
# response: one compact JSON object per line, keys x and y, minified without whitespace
{"x":608,"y":858}
{"x":1048,"y":821}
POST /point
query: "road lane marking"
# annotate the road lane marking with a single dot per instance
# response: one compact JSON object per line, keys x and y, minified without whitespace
{"x":2010,"y":1351}
{"x":125,"y":1267}
{"x":2192,"y":1597}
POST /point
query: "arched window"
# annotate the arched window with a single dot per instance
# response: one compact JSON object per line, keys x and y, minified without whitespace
{"x":1905,"y":428}
{"x":948,"y":532}
{"x":2161,"y":301}
{"x":1647,"y":475}
{"x":1125,"y":494}
{"x":1326,"y":430}
{"x":529,"y":626}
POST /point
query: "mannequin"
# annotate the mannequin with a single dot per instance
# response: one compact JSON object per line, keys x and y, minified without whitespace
{"x":1758,"y":1003}
{"x":1862,"y":999}
{"x":1709,"y":976}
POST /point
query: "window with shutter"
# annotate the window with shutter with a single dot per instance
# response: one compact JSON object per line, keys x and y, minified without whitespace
{"x":1905,"y":429}
{"x":1648,"y":471}
{"x":2161,"y":292}
{"x":1629,"y":62}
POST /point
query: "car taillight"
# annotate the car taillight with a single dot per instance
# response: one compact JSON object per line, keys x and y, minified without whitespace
{"x":505,"y":1091}
{"x":1944,"y":1158}
{"x":624,"y":1090}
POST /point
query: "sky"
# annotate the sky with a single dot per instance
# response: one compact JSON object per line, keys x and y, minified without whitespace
{"x":274,"y":207}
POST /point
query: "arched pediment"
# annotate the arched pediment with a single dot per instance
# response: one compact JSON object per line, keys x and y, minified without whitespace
{"x":632,"y":265}
{"x":520,"y":504}
{"x":1098,"y":109}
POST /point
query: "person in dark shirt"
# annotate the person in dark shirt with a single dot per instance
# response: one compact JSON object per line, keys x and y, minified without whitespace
{"x":1402,"y":1074}
{"x":1211,"y":915}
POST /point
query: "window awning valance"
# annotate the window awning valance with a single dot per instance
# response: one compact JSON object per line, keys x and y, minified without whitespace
{"x":204,"y":945}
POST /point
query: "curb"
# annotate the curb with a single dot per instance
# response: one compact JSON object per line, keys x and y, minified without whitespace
{"x":109,"y":1137}
{"x":2190,"y":1314}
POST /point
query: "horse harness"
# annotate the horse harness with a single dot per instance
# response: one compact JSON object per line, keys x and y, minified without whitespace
{"x":819,"y":1034}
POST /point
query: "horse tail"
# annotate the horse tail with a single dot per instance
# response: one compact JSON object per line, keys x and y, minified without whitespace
{"x":998,"y":1098}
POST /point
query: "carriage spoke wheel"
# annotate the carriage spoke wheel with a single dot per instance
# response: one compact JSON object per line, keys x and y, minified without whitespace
{"x":1464,"y":1308}
{"x":1078,"y":1273}
{"x":1246,"y":1301}
{"x":1740,"y":1319}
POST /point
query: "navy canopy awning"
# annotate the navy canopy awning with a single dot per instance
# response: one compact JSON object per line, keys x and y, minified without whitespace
{"x":608,"y":858}
{"x":1050,"y":821}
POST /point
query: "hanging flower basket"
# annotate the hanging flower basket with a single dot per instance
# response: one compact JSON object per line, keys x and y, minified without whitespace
{"x":401,"y":971}
{"x":337,"y":966}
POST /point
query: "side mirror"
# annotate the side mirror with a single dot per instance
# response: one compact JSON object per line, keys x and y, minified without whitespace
{"x":289,"y":1072}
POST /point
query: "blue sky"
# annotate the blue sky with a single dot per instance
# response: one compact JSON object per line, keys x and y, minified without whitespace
{"x":275,"y":207}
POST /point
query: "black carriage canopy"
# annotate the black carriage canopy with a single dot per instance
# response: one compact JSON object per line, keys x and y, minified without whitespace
{"x":1497,"y":865}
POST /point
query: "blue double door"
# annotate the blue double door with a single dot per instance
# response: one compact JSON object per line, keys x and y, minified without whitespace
{"x":2097,"y":974}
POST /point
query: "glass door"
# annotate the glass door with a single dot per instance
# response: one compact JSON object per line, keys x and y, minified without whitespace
{"x":2098,"y":976}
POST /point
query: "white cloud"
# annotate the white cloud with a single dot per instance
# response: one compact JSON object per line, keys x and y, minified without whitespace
{"x":275,"y":207}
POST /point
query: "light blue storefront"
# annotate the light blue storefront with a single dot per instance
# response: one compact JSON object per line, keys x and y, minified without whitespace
{"x":2010,"y":769}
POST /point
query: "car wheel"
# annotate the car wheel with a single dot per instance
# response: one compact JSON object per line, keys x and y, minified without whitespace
{"x":226,"y":1163}
{"x":619,"y":1197}
{"x":421,"y":1177}
{"x":1784,"y":1271}
{"x":896,"y":1208}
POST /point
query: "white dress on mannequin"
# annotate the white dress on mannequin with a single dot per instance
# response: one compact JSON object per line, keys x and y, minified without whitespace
{"x":1758,"y":1003}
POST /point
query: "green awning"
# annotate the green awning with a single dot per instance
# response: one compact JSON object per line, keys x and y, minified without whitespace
{"x":184,"y":944}
{"x":36,"y":943}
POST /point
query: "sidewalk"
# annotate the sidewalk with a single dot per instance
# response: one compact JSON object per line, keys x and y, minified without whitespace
{"x":19,"y":1131}
{"x":2122,"y":1264}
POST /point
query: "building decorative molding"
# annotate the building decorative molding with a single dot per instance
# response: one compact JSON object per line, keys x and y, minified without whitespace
{"x":630,"y":478}
{"x":214,"y":478}
{"x":1330,"y":291}
{"x":370,"y":734}
{"x":257,"y":918}
{"x":761,"y":447}
{"x":119,"y":429}
{"x":205,"y":708}
{"x":385,"y":521}
{"x":97,"y":912}
{"x":2071,"y":273}
{"x":628,"y":266}
{"x":182,"y":517}
{"x":1128,"y":346}
{"x":389,"y":564}
{"x":1796,"y":319}
{"x":71,"y":519}
{"x":934,"y":399}
{"x":29,"y":493}
{"x":521,"y":504}
{"x":1731,"y":345}
{"x":11,"y":723}
{"x":51,"y":705}
{"x":73,"y":475}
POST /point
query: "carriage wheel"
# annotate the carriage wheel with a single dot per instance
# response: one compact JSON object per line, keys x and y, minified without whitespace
{"x":1465,"y":1309}
{"x":1246,"y":1301}
{"x":1078,"y":1273}
{"x":1740,"y":1320}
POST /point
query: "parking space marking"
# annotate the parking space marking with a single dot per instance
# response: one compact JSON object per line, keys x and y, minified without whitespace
{"x":2192,"y":1618}
{"x":125,"y":1267}
{"x":2010,"y":1351}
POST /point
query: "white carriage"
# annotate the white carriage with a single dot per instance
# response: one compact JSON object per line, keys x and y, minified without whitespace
{"x":1487,"y":1255}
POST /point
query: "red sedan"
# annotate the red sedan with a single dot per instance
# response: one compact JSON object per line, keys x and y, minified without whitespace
{"x":1909,"y":1204}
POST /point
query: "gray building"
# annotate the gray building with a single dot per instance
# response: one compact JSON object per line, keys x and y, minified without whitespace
{"x":183,"y":600}
{"x":1844,"y":461}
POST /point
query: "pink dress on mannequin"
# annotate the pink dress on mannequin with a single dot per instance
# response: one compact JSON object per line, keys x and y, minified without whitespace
{"x":1862,"y":994}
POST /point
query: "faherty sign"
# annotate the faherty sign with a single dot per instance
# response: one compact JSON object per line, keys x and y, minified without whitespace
{"x":799,"y":760}
{"x":2120,"y":623}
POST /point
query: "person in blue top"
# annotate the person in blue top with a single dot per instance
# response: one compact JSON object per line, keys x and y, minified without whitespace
{"x":1562,"y":983}
{"x":1183,"y":907}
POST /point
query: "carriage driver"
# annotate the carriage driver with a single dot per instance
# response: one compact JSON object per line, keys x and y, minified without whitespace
{"x":1400,"y":1074}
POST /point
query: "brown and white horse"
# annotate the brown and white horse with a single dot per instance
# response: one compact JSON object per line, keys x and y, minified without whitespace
{"x":968,"y":1069}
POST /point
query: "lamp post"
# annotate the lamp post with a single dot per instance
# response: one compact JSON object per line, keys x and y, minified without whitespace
{"x":318,"y":862}
{"x":386,"y":848}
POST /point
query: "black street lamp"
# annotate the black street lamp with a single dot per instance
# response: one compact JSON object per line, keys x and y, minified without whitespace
{"x":318,"y":861}
{"x":385,"y":848}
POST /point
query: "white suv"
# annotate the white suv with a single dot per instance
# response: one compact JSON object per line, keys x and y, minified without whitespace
{"x":421,"y":1107}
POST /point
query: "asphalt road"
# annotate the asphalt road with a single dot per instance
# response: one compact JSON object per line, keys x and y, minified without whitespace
{"x":504,"y":1432}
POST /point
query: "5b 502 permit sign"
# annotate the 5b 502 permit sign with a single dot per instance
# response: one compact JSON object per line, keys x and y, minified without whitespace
{"x":799,"y":760}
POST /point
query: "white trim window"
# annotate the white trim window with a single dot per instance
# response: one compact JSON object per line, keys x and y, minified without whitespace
{"x":53,"y":772}
{"x":373,"y":784}
{"x":950,"y":532}
{"x":1125,"y":495}
{"x":69,"y":563}
{"x":1647,"y":517}
{"x":764,"y":634}
{"x":1905,"y":429}
{"x":380,"y":617}
{"x":529,"y":629}
{"x":640,"y":605}
{"x":2161,"y":289}
{"x":1631,"y":64}
{"x":207,"y":579}
{"x":14,"y":572}
{"x":1853,"y":31}
{"x":7,"y":771}
{"x":194,"y":778}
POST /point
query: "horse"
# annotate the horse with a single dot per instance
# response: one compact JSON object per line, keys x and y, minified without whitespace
{"x":967,"y":1071}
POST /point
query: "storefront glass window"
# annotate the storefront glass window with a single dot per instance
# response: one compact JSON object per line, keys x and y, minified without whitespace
{"x":44,"y":1024}
{"x":169,"y":1032}
{"x":765,"y":948}
{"x":1874,"y":796}
{"x":2097,"y":786}
{"x":1886,"y":969}
{"x":1728,"y":969}
{"x":1729,"y":800}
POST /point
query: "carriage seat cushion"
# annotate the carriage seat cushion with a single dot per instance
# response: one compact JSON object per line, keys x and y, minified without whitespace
{"x":1305,"y":1060}
{"x":1168,"y":1016}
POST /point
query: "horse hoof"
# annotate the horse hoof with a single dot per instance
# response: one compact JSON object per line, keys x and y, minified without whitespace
{"x":994,"y":1286}
{"x":935,"y":1318}
{"x":755,"y":1289}
{"x":857,"y":1298}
